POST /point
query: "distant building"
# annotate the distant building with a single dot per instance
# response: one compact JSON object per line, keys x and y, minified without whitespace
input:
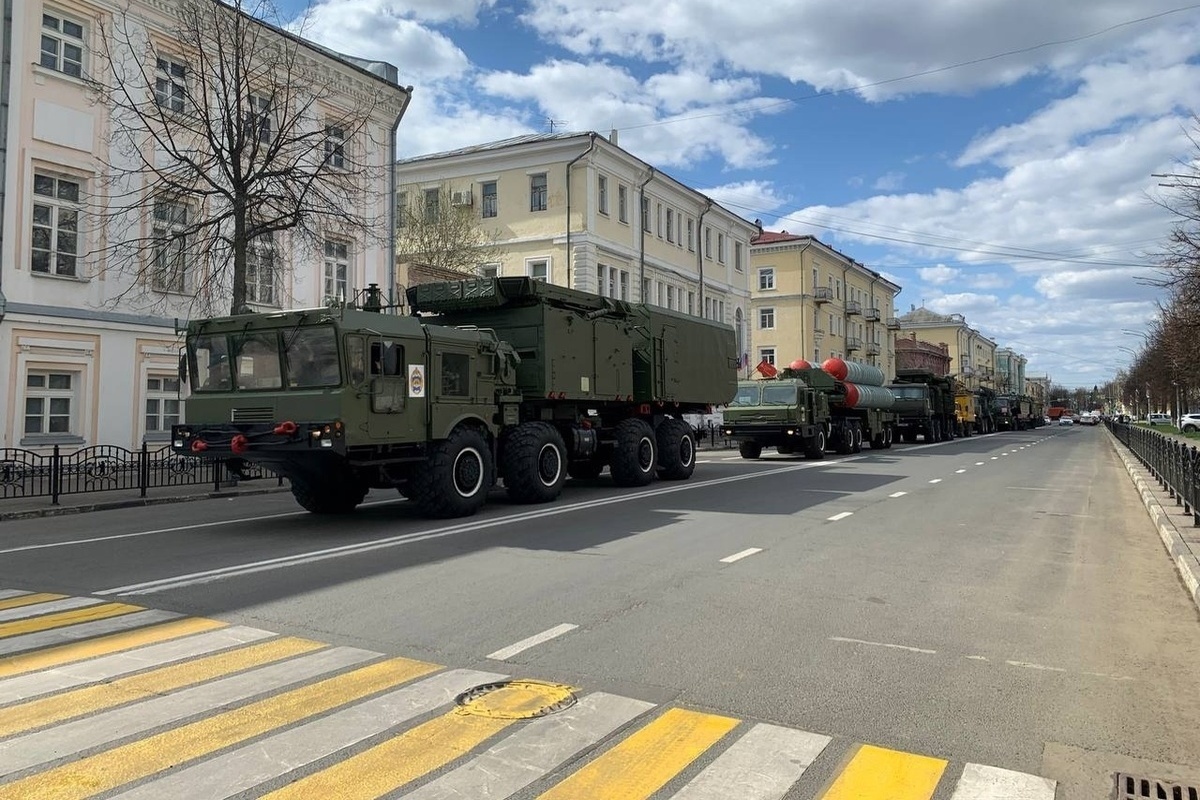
{"x":912,"y":353}
{"x":577,"y":210}
{"x":1010,"y":371}
{"x":972,"y":355}
{"x":810,"y":301}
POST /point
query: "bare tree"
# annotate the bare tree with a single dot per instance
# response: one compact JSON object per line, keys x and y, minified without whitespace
{"x":435,"y":231}
{"x":224,"y":135}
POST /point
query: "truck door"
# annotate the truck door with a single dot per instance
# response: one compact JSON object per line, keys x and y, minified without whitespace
{"x":382,"y":370}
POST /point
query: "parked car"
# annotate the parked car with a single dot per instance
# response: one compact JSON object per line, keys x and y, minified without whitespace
{"x":1189,"y":423}
{"x":1159,"y":419}
{"x":1089,"y":419}
{"x":1065,"y":420}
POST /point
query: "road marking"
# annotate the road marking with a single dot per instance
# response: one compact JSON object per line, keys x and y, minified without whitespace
{"x":48,"y":608}
{"x":980,"y":463}
{"x":29,"y":600}
{"x":842,"y":515}
{"x":876,"y":772}
{"x":883,"y":644}
{"x":762,"y":765}
{"x":642,"y":763}
{"x":979,"y":782}
{"x":1031,"y":665}
{"x":897,"y":494}
{"x":749,"y":551}
{"x":64,"y":618}
{"x":85,"y":630}
{"x":536,"y":639}
{"x":995,"y":458}
{"x":936,"y":480}
{"x":1034,"y":488}
{"x":977,"y":658}
{"x":731,"y":458}
{"x":959,"y":471}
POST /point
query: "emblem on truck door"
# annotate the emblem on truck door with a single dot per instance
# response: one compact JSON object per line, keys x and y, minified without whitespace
{"x":416,"y":380}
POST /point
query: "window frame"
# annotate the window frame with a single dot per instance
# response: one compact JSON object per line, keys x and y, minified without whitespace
{"x":766,"y":318}
{"x":766,"y":354}
{"x":531,"y":263}
{"x":602,"y":194}
{"x":259,"y":117}
{"x":45,"y":394}
{"x":335,"y":146}
{"x":55,"y":205}
{"x":489,"y":202}
{"x":623,"y":203}
{"x":170,"y":90}
{"x":161,"y":396}
{"x":260,"y":254}
{"x":170,"y":235}
{"x":763,"y":274}
{"x":344,"y":260}
{"x":62,"y":40}
{"x":538,"y":190}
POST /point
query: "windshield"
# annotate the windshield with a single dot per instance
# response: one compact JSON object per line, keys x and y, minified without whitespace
{"x":256,"y":354}
{"x":312,"y":358}
{"x":784,"y":395}
{"x":746,"y":396}
{"x":908,"y":392}
{"x":1002,"y":402}
{"x":210,"y":363}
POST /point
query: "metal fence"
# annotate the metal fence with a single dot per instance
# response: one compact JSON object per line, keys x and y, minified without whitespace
{"x":1175,"y":464}
{"x":709,"y":435}
{"x":27,"y":473}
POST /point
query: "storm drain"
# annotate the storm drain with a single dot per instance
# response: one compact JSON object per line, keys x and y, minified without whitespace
{"x":1134,"y":787}
{"x":515,"y":699}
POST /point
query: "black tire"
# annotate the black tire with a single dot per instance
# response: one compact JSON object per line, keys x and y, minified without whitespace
{"x":878,"y":441}
{"x":1190,"y":429}
{"x":676,"y":450}
{"x":330,"y":497}
{"x":749,"y":449}
{"x":888,"y":436}
{"x":534,"y":463}
{"x":635,"y":455}
{"x":585,"y":470}
{"x":455,"y":481}
{"x":856,"y":432}
{"x":814,"y":448}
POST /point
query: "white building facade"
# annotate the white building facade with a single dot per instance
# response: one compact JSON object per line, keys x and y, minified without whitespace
{"x":82,"y":361}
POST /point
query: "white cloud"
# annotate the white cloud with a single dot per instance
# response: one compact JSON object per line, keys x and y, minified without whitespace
{"x":889,"y":181}
{"x":988,"y":280}
{"x":939,"y":275}
{"x":747,"y":198}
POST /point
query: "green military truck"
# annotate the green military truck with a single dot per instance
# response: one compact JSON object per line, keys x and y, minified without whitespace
{"x":486,"y":380}
{"x":925,"y":405}
{"x":807,"y":409}
{"x":1017,"y":413}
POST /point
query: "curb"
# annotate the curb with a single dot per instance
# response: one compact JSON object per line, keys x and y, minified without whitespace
{"x":1186,"y":561}
{"x":110,"y":505}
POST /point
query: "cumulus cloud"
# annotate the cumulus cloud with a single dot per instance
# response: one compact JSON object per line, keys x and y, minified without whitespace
{"x":747,"y":198}
{"x":889,"y":181}
{"x":939,"y":275}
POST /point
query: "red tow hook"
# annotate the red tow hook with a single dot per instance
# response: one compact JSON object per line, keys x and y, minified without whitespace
{"x":286,"y":428}
{"x":239,"y":444}
{"x":199,"y":446}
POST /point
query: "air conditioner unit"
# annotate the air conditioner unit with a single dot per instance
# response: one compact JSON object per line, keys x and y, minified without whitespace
{"x":462,"y":198}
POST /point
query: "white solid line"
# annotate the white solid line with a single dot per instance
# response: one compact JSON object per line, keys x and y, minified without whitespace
{"x":977,"y":658}
{"x":842,"y":515}
{"x":959,"y":471}
{"x":883,"y":644}
{"x":762,"y":765}
{"x":936,"y":480}
{"x":1031,"y":665}
{"x":536,"y":639}
{"x":897,"y":494}
{"x":979,"y":782}
{"x":980,"y":463}
{"x":731,"y":458}
{"x":749,"y":551}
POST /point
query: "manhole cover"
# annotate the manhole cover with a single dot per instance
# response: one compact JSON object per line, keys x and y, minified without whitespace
{"x":1134,"y":787}
{"x":515,"y":699}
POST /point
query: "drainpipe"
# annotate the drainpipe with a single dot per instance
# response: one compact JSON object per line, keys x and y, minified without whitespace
{"x":700,"y":253}
{"x":392,"y":200}
{"x":642,"y":234}
{"x":6,"y":25}
{"x":571,"y":163}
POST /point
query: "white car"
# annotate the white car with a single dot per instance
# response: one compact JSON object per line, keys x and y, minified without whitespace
{"x":1159,"y":419}
{"x":1189,"y":423}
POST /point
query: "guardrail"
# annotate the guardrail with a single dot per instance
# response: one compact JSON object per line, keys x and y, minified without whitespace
{"x":28,"y":473}
{"x":1173,"y":463}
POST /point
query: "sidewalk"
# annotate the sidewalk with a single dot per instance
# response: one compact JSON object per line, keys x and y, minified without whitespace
{"x":13,"y":508}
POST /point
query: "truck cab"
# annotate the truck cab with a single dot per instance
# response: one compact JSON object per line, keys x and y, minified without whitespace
{"x":784,"y":413}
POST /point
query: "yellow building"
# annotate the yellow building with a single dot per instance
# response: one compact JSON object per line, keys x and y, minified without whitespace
{"x":810,"y":301}
{"x":972,"y":355}
{"x":575,"y":209}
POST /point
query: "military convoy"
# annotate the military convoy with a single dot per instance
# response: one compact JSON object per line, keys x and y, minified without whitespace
{"x":486,"y":380}
{"x":925,"y":405}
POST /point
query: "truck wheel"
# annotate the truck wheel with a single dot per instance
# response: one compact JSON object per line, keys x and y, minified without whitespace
{"x":856,"y":432}
{"x":534,"y":463}
{"x":888,"y":434}
{"x":585,"y":470}
{"x":676,"y":450}
{"x":814,"y":447}
{"x":843,"y":441}
{"x":878,"y":441}
{"x":749,"y":449}
{"x":635,"y":456}
{"x":333,"y":497}
{"x":455,"y":480}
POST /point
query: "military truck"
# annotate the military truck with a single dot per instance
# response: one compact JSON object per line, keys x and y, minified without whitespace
{"x":986,"y":412}
{"x":807,"y":409}
{"x":485,"y":380}
{"x":967,"y":417}
{"x":1017,"y":413}
{"x":924,"y":406}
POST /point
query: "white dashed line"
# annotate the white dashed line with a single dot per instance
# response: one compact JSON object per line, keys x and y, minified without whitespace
{"x":536,"y":639}
{"x":995,"y":458}
{"x":936,"y":480}
{"x":749,"y":551}
{"x":897,"y":494}
{"x":842,"y":515}
{"x":980,"y":463}
{"x":959,"y":471}
{"x":883,"y":644}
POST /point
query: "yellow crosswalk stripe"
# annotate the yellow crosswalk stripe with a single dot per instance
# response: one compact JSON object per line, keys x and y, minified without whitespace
{"x":876,"y":773}
{"x":107,"y":770}
{"x":45,"y":623}
{"x":76,"y":703}
{"x":29,"y":600}
{"x":388,"y":766}
{"x":104,"y":645}
{"x":642,"y":763}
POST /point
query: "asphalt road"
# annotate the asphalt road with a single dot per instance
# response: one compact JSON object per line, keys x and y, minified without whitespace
{"x":999,"y":600}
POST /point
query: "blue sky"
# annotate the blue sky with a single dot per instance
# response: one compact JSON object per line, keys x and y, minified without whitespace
{"x":993,"y":157}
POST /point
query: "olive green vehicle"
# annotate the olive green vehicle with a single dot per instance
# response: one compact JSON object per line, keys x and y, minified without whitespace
{"x":497,"y":379}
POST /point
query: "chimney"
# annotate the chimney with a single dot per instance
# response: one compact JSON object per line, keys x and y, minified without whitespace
{"x":612,"y":135}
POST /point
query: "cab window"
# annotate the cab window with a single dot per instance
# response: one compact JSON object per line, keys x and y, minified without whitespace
{"x":456,"y":375}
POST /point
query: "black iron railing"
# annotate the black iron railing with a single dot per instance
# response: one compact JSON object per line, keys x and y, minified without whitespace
{"x":26,"y":473}
{"x":1173,"y":463}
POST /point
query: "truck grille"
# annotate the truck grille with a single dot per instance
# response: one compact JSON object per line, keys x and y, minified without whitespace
{"x":257,"y":414}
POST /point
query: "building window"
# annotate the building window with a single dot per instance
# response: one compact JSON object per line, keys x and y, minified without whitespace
{"x":337,"y":270}
{"x":708,"y":243}
{"x":816,"y":278}
{"x":602,"y":280}
{"x":625,"y":285}
{"x":49,"y":398}
{"x":646,"y":214}
{"x":838,"y":290}
{"x":538,"y":269}
{"x":488,"y":270}
{"x":671,"y":297}
{"x":670,"y":226}
{"x":491,"y":200}
{"x":691,"y":235}
{"x":170,"y":84}
{"x":766,"y":279}
{"x":258,"y":117}
{"x":766,"y":318}
{"x":260,"y":270}
{"x":602,"y":190}
{"x":55,"y":225}
{"x":162,"y":404}
{"x":691,"y":309}
{"x":335,"y":146}
{"x":170,"y":246}
{"x":432,"y":205}
{"x":401,"y":208}
{"x":658,"y":216}
{"x":662,"y":294}
{"x":766,"y":354}
{"x":720,"y":248}
{"x":537,"y":192}
{"x":646,"y":291}
{"x":623,"y":203}
{"x":62,"y":45}
{"x":739,"y":256}
{"x":831,"y":329}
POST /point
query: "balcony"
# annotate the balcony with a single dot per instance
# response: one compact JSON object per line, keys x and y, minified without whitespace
{"x":871,"y":314}
{"x":893,"y":324}
{"x":822,"y":294}
{"x":853,"y":343}
{"x":872,"y":349}
{"x":853,"y":307}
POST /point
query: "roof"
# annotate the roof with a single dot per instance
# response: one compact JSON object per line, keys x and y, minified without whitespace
{"x":775,"y":237}
{"x":500,"y":144}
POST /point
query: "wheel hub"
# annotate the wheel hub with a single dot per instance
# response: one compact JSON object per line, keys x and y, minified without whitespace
{"x":468,"y":472}
{"x":549,"y":465}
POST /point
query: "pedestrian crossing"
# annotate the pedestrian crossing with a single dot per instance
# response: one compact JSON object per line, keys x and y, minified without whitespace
{"x":114,"y":700}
